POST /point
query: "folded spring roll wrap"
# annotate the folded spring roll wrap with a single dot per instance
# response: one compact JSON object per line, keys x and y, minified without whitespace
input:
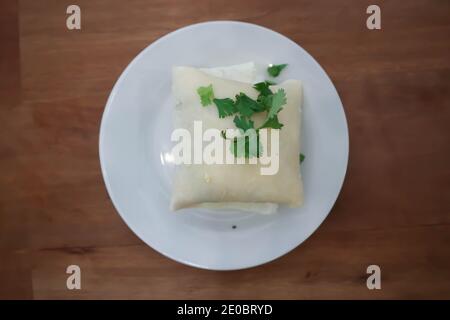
{"x":215,"y":186}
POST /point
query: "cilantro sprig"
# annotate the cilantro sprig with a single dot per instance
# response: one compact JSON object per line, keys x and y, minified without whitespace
{"x":301,"y":157}
{"x":272,"y":123}
{"x":226,"y":107}
{"x":206,"y":95}
{"x":246,"y":106}
{"x":275,"y":69}
{"x":243,"y":107}
{"x":278,"y":100}
{"x":263,"y":88}
{"x":243,"y":123}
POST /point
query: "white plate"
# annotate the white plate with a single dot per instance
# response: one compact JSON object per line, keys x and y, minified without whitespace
{"x":136,"y":127}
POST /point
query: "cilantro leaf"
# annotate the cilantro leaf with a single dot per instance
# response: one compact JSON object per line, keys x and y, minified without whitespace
{"x":243,"y":123}
{"x":246,"y":106}
{"x":272,"y":123}
{"x":225,"y":107}
{"x":265,"y":94}
{"x":206,"y":95}
{"x":248,"y":144}
{"x":274,"y":103}
{"x":263,"y":88}
{"x":274,"y":70}
{"x":302,"y":157}
{"x":265,"y":101}
{"x":278,"y":101}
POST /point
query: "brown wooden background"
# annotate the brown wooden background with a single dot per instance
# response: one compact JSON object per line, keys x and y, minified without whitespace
{"x":394,"y":209}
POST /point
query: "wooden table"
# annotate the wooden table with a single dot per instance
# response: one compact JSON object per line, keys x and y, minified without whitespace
{"x":393,"y":211}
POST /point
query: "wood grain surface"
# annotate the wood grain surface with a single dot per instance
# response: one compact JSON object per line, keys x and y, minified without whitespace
{"x":394,"y":208}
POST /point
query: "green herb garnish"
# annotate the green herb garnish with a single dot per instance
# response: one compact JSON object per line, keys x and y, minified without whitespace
{"x":274,"y":70}
{"x":248,"y":143}
{"x":246,"y":106}
{"x":277,"y":102}
{"x":274,"y":105}
{"x":272,"y":123}
{"x":302,"y":157}
{"x":243,"y":123}
{"x":265,"y":101}
{"x":263,"y":88}
{"x":206,"y":95}
{"x":226,"y":107}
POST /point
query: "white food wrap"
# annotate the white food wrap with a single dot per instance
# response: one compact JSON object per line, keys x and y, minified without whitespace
{"x":235,"y":187}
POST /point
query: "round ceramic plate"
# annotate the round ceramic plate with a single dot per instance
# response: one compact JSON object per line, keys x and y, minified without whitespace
{"x":135,"y":133}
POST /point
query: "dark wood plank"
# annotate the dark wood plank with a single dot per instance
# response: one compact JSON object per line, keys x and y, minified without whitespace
{"x":15,"y":262}
{"x":330,"y":265}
